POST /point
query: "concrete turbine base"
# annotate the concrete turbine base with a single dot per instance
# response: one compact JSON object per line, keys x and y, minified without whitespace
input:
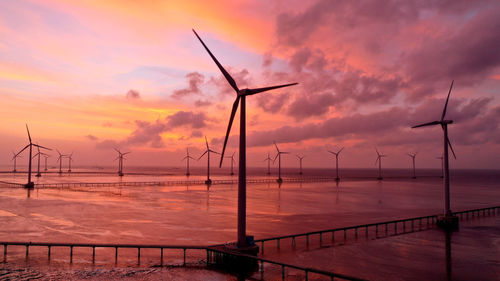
{"x":447,"y":222}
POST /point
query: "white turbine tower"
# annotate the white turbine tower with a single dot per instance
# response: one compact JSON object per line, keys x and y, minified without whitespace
{"x":268,"y":159}
{"x":336,"y":162}
{"x":413,"y":160}
{"x":207,"y":152}
{"x":379,"y":160}
{"x":187,"y":158}
{"x":278,"y":155}
{"x":300,"y":163}
{"x":30,"y":184}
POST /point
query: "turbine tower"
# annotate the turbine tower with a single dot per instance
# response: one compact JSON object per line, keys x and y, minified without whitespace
{"x":442,"y":166}
{"x":278,"y":155}
{"x":39,"y":154}
{"x":120,"y":161}
{"x":14,"y":158}
{"x":187,"y":160}
{"x":232,"y":162}
{"x":336,"y":162}
{"x":300,"y":163}
{"x":268,"y":159}
{"x":46,"y":156}
{"x":447,"y":220}
{"x":379,"y":160}
{"x":208,"y":151}
{"x":30,"y":184}
{"x":413,"y":159}
{"x":70,"y":159}
{"x":241,"y":95}
{"x":59,"y":159}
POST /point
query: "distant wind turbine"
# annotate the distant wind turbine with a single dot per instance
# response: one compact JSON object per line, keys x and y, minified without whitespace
{"x":208,"y":151}
{"x":120,"y":161}
{"x":336,"y":162}
{"x":278,"y":155}
{"x":46,"y":156}
{"x":232,"y":162}
{"x":241,"y":95}
{"x":448,"y":220}
{"x":59,"y":159}
{"x":187,"y":160}
{"x":30,"y":184}
{"x":14,"y":158}
{"x":70,"y":159}
{"x":300,"y":163}
{"x":268,"y":159}
{"x":39,"y":154}
{"x":413,"y":159}
{"x":379,"y":160}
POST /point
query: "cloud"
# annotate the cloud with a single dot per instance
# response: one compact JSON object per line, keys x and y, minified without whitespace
{"x":186,"y":118}
{"x":147,"y":133}
{"x":107,"y":144}
{"x":195,"y":80}
{"x":201,"y":103}
{"x":133,"y":94}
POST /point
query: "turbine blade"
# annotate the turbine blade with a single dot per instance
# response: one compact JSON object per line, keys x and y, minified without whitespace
{"x":265,"y":89}
{"x":203,"y":154}
{"x":446,"y":104}
{"x":39,"y":146}
{"x":332,"y":152}
{"x":340,"y":150}
{"x":451,"y":147}
{"x":214,"y":152}
{"x":206,"y":142}
{"x":276,"y":147}
{"x":376,"y":160}
{"x":427,"y":124}
{"x":231,"y":119}
{"x":28,"y":130}
{"x":224,"y":72}
{"x":125,"y":153}
{"x":22,"y":149}
{"x":277,"y":154}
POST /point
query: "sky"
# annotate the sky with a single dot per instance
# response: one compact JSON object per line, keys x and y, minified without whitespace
{"x":90,"y":76}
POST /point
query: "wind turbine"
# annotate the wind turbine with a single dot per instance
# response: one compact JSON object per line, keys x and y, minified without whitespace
{"x":45,"y":156}
{"x":300,"y":161}
{"x":39,"y":154}
{"x":232,"y":162}
{"x":14,"y":158}
{"x":30,"y":184}
{"x":442,"y":166}
{"x":278,"y":155}
{"x":379,"y":160}
{"x":447,"y":220}
{"x":268,"y":159}
{"x":208,"y":181}
{"x":187,"y":160}
{"x":336,"y":162}
{"x":70,"y":158}
{"x":59,"y":159}
{"x":120,"y":161}
{"x":413,"y":158}
{"x":241,"y":95}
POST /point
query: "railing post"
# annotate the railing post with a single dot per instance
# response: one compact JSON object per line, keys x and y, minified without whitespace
{"x":93,"y":254}
{"x":307,"y":277}
{"x":278,"y":243}
{"x":116,"y":255}
{"x":356,"y":232}
{"x":307,"y":240}
{"x":71,"y":254}
{"x":49,"y":252}
{"x":293,"y":241}
{"x":345,"y":234}
{"x":138,"y":255}
{"x":184,"y":256}
{"x":320,"y":238}
{"x":262,"y":246}
{"x":161,"y":259}
{"x":4,"y":252}
{"x":282,"y":272}
{"x":333,"y":236}
{"x":27,"y":251}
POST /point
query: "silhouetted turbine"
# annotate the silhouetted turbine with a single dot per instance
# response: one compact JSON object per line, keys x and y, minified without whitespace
{"x":278,"y":155}
{"x":268,"y":159}
{"x":336,"y":162}
{"x":38,"y":174}
{"x":30,"y":184}
{"x":14,"y":158}
{"x":187,"y":160}
{"x":59,"y":159}
{"x":379,"y":160}
{"x":240,"y":97}
{"x":446,"y":143}
{"x":120,"y":161}
{"x":232,"y":162}
{"x":46,"y":156}
{"x":70,"y":159}
{"x":208,"y":181}
{"x":413,"y":160}
{"x":300,"y":163}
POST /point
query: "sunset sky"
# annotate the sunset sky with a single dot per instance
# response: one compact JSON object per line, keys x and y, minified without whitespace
{"x":88,"y":76}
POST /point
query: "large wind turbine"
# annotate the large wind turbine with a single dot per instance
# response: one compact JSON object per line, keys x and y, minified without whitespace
{"x":448,"y":220}
{"x":39,"y":154}
{"x":208,"y":151}
{"x":379,"y":160}
{"x":336,"y":162}
{"x":413,"y":159}
{"x":187,"y":160}
{"x":241,"y":95}
{"x":59,"y":159}
{"x":300,"y":163}
{"x":268,"y":159}
{"x":278,"y":155}
{"x":14,"y":158}
{"x":30,"y":184}
{"x":232,"y":162}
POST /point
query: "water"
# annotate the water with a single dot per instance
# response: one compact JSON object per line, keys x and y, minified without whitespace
{"x":195,"y":215}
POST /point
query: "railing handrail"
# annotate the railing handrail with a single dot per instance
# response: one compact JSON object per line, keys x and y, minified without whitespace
{"x":102,"y":245}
